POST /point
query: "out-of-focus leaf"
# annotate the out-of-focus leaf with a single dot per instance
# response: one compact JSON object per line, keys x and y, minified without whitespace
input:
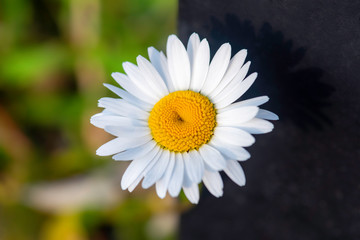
{"x":15,"y":19}
{"x":14,"y":215}
{"x":51,"y":109}
{"x":26,"y":66}
{"x":4,"y":160}
{"x":131,"y":219}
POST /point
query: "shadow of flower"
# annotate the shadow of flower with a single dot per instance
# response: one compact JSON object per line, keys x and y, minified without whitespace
{"x":298,"y":94}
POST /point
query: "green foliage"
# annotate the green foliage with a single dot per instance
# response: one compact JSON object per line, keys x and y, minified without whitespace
{"x":54,"y":57}
{"x":29,"y":65}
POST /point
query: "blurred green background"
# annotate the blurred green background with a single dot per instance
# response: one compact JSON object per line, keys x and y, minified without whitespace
{"x":54,"y":57}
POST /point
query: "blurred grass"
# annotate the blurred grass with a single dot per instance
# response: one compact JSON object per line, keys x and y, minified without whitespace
{"x":54,"y":57}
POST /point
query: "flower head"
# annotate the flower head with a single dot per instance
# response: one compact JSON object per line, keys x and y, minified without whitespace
{"x":177,"y":121}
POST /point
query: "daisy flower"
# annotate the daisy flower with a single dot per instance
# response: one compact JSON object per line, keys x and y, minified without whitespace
{"x":176,"y":119}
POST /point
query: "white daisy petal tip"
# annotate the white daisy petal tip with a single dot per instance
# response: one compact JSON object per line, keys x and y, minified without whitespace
{"x":194,"y":35}
{"x":114,"y":75}
{"x":192,"y":193}
{"x":175,"y":118}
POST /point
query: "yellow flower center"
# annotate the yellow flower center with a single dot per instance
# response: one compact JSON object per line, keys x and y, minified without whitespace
{"x":182,"y":121}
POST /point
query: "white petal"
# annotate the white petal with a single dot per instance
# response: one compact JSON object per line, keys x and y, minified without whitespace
{"x":236,"y":116}
{"x":151,"y":165}
{"x":212,"y":157}
{"x":265,"y":114}
{"x":207,"y":167}
{"x":159,"y":61}
{"x":151,"y":75}
{"x":98,"y":121}
{"x":120,"y":144}
{"x":186,"y":181}
{"x":200,"y":66}
{"x":164,"y":64}
{"x":229,"y":150}
{"x":234,"y":67}
{"x":139,"y":80}
{"x":135,"y":183}
{"x":257,"y":101}
{"x":213,"y":183}
{"x":157,"y":171}
{"x":154,"y":56}
{"x":111,"y":147}
{"x":132,"y":88}
{"x":256,"y":126}
{"x":102,"y":120}
{"x":144,"y":172}
{"x":235,"y":172}
{"x":104,"y":112}
{"x":192,"y":46}
{"x":127,"y":132}
{"x":237,"y":92}
{"x":192,"y":193}
{"x":217,"y":68}
{"x":137,"y":167}
{"x":163,"y":183}
{"x":194,"y":165}
{"x":239,"y":77}
{"x":177,"y":176}
{"x":234,"y":136}
{"x":178,"y":62}
{"x":123,"y":108}
{"x":135,"y":152}
{"x":188,"y":168}
{"x":129,"y":97}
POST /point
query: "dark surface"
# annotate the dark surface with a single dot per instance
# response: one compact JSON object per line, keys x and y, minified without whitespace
{"x":303,"y":179}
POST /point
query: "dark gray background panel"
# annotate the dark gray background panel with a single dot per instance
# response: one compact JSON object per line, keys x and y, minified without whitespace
{"x":303,"y":179}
